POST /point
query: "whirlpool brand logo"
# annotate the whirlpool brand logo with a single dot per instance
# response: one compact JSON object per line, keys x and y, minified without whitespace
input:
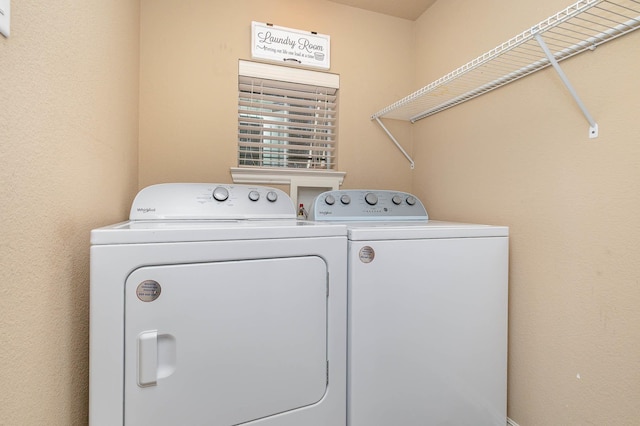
{"x":146,"y":209}
{"x":324,"y":212}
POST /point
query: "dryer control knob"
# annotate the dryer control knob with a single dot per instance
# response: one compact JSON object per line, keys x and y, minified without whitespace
{"x":221,"y":194}
{"x":371,"y":199}
{"x":411,"y":200}
{"x":330,"y":200}
{"x":397,"y":200}
{"x":254,"y":195}
{"x":345,"y":199}
{"x":272,"y":196}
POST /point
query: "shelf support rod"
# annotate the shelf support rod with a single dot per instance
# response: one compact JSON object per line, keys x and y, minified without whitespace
{"x":593,"y":129}
{"x":407,"y":156}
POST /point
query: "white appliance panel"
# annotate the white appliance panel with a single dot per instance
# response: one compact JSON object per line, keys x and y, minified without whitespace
{"x":225,"y":343}
{"x":180,"y":201}
{"x":111,"y":264}
{"x":428,"y":332}
{"x":367,"y":205}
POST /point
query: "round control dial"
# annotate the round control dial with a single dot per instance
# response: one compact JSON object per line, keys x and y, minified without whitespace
{"x":272,"y":196}
{"x":345,"y":199}
{"x":411,"y":200}
{"x":397,"y":200}
{"x":221,"y":194}
{"x":330,"y":200}
{"x":254,"y":195}
{"x":371,"y":199}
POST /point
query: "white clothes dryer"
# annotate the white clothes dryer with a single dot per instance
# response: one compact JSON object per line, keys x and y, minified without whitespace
{"x":427,"y":313}
{"x":214,"y":306}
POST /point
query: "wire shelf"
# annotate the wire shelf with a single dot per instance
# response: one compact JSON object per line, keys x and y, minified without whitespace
{"x":581,"y":26}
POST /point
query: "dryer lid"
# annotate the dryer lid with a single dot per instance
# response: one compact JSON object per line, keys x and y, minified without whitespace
{"x":158,"y":231}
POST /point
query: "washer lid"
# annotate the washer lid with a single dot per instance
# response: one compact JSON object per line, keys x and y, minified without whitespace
{"x":415,"y":230}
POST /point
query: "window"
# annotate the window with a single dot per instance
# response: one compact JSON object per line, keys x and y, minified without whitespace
{"x":287,"y":117}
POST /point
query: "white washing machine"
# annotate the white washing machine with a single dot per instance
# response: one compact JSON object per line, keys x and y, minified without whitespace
{"x":214,"y":306}
{"x":427,"y":312}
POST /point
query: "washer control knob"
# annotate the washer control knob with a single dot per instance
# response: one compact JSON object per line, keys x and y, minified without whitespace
{"x":272,"y":196}
{"x":345,"y":199}
{"x":254,"y":195}
{"x":371,"y":199}
{"x":220,"y":193}
{"x":397,"y":200}
{"x":330,"y":200}
{"x":411,"y":200}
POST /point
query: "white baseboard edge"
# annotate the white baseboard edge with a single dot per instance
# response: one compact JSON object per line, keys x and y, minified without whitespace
{"x":511,"y":422}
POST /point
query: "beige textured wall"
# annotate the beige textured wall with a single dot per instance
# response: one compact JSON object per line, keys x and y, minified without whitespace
{"x":188,"y":97}
{"x":68,"y":155}
{"x":520,"y":156}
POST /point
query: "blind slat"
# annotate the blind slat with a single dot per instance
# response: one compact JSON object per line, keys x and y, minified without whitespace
{"x":256,"y":105}
{"x":285,"y":147}
{"x":248,"y":89}
{"x":254,"y":122}
{"x":284,"y":163}
{"x":244,"y":137}
{"x":297,"y":137}
{"x":283,"y":84}
{"x":316,"y":131}
{"x":284,"y":119}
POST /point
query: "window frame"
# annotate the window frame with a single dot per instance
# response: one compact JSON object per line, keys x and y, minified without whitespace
{"x":305,"y":141}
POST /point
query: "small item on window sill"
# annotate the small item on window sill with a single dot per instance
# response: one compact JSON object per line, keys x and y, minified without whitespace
{"x":302,"y":212}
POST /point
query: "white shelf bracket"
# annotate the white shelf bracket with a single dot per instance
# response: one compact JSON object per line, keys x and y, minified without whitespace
{"x":407,"y":156}
{"x":593,"y":126}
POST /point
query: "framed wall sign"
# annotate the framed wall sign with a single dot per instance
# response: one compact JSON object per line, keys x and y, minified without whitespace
{"x":281,"y":44}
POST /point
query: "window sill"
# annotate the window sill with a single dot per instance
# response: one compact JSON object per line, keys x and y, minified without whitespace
{"x":285,"y":177}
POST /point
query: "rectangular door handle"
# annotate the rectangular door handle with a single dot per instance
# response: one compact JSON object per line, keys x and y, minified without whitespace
{"x":148,"y":358}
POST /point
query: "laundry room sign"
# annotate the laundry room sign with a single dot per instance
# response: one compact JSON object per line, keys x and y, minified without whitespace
{"x":287,"y":45}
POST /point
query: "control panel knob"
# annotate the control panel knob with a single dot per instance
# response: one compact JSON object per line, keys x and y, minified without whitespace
{"x":345,"y":199}
{"x":371,"y":199}
{"x":330,"y":200}
{"x":397,"y":200}
{"x":220,"y":193}
{"x":254,"y":195}
{"x":411,"y":200}
{"x":272,"y":196}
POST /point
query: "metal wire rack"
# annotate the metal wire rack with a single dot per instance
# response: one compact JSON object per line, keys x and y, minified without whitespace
{"x":581,"y":26}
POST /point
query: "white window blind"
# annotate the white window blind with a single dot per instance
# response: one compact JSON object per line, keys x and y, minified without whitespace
{"x":286,"y":121}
